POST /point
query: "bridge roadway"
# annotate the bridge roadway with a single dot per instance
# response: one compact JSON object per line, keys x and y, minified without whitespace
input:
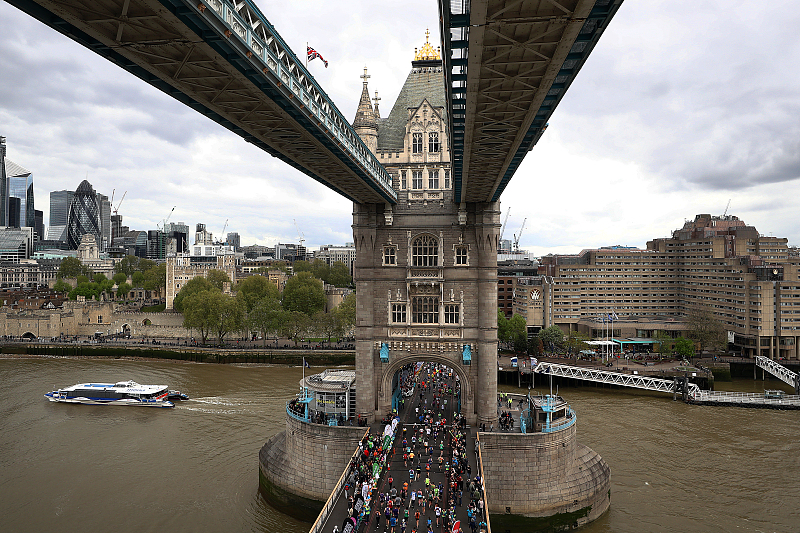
{"x":399,"y":471}
{"x":226,"y":61}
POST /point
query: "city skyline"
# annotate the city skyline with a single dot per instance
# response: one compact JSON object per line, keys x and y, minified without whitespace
{"x":667,"y":120}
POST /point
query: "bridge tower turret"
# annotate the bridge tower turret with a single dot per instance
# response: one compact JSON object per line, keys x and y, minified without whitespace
{"x":365,"y":123}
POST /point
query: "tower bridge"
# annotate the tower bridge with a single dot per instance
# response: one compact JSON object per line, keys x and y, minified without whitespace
{"x":425,"y":182}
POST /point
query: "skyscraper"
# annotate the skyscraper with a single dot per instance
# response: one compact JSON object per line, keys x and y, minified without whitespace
{"x":20,"y":185}
{"x":233,"y":240}
{"x":59,"y":212}
{"x":84,"y":216}
{"x":105,"y":221}
{"x":3,"y":184}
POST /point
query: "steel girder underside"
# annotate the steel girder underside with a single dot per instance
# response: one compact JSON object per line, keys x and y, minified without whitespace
{"x":507,"y":65}
{"x":170,"y":45}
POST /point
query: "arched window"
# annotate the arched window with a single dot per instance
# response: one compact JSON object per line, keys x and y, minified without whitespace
{"x":425,"y":251}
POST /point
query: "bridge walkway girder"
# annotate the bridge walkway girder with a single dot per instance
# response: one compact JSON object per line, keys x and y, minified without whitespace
{"x":228,"y":63}
{"x":779,"y":371}
{"x":507,"y":65}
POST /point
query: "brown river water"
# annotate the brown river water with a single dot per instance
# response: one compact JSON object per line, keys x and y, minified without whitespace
{"x":674,"y":467}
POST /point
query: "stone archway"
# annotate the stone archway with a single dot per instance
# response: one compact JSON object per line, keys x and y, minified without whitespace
{"x":468,"y":387}
{"x":28,"y":335}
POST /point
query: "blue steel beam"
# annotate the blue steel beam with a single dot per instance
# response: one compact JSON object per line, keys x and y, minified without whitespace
{"x":243,"y":37}
{"x":456,"y":24}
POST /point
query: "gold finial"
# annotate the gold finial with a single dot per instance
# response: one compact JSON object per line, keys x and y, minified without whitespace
{"x":376,"y":99}
{"x":427,"y":52}
{"x":365,"y":76}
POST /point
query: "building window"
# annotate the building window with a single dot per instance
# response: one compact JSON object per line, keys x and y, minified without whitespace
{"x":389,"y":255}
{"x":402,"y":179}
{"x":461,"y":256}
{"x":425,"y":252}
{"x":416,"y":179}
{"x":425,"y":310}
{"x":446,"y":179}
{"x":416,"y":143}
{"x":451,"y":314}
{"x":433,"y":141}
{"x":398,"y":313}
{"x":433,"y":179}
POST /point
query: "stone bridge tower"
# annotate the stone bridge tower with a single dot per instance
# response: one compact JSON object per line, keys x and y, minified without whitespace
{"x":426,"y":268}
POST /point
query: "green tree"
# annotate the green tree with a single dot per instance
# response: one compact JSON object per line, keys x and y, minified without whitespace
{"x":535,"y":346}
{"x":345,"y":314}
{"x":138,"y":279}
{"x":502,"y":327}
{"x":192,"y":286}
{"x":123,"y":289}
{"x":218,"y":278}
{"x":301,"y":266}
{"x":706,"y":329}
{"x":296,"y":325}
{"x":339,"y":275}
{"x":71,"y":267}
{"x":518,"y":332}
{"x":128,"y":265}
{"x":266,"y":317}
{"x":253,"y":289}
{"x":684,"y":347}
{"x":230,"y":315}
{"x":576,"y":342}
{"x":99,"y":278}
{"x":663,"y":344}
{"x":201,"y":311}
{"x":325,"y":325}
{"x":155,"y":278}
{"x":551,"y":337}
{"x":119,"y":277}
{"x":303,"y":293}
{"x":321,"y":270}
{"x":62,"y":286}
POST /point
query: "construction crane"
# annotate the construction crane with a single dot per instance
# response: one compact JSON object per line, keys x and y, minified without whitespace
{"x":300,"y":233}
{"x":116,"y":209}
{"x":222,"y":235}
{"x":517,"y":237}
{"x":503,"y":229}
{"x":726,"y":208}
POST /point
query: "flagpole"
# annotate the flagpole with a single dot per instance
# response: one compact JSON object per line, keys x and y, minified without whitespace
{"x":306,"y":69}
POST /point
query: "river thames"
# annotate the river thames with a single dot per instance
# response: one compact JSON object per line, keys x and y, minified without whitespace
{"x":674,"y":467}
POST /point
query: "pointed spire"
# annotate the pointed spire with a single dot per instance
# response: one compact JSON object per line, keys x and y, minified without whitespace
{"x":365,"y":115}
{"x":376,"y":100}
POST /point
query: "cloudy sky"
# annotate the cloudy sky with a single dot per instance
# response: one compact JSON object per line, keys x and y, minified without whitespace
{"x":682,"y":107}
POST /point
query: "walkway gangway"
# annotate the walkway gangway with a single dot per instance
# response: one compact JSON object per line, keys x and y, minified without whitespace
{"x":615,"y":378}
{"x":779,"y":371}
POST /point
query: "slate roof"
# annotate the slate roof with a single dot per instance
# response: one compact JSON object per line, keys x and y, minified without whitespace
{"x":420,"y":84}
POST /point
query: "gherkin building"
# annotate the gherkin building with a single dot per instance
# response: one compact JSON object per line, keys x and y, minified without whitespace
{"x":84,"y":216}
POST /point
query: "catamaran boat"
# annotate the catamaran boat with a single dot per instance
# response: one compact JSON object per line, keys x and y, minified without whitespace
{"x":121,"y":393}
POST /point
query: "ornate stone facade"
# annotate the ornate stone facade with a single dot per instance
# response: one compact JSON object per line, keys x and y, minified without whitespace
{"x":426,"y":268}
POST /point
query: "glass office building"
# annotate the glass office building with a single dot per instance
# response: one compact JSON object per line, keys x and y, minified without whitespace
{"x":84,"y":216}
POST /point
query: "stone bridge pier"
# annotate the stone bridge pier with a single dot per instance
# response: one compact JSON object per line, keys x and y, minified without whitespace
{"x":426,"y":290}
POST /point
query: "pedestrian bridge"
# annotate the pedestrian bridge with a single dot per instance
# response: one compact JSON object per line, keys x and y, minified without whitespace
{"x":616,"y":378}
{"x":779,"y":371}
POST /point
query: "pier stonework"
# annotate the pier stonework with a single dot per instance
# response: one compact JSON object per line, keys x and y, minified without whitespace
{"x":543,"y":480}
{"x":299,"y":467}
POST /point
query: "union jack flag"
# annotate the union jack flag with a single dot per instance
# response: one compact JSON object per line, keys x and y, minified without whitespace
{"x":313,"y":54}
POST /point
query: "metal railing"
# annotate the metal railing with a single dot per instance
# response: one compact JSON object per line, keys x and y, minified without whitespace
{"x":777,"y":370}
{"x":479,"y":458}
{"x":613,"y":378}
{"x":322,"y":518}
{"x":747,"y":398}
{"x":282,"y":68}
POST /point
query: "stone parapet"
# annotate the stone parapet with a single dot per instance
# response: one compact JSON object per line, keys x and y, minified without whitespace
{"x":544,"y":475}
{"x":299,"y":467}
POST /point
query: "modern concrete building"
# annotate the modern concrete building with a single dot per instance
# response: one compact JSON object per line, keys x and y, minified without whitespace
{"x":345,"y":254}
{"x":748,"y":281}
{"x":232,"y":239}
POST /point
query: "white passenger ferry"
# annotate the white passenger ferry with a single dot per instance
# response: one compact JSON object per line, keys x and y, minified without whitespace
{"x":121,"y":393}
